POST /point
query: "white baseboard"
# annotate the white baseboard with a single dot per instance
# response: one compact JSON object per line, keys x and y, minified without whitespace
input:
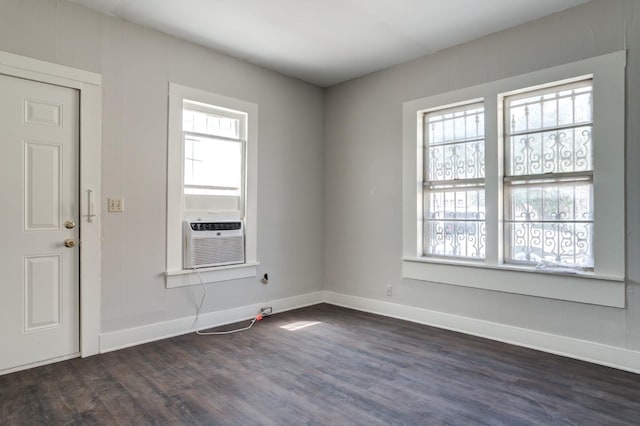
{"x":148,"y":333}
{"x":597,"y":353}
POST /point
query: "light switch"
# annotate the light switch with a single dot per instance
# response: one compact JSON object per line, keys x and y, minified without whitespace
{"x":115,"y":205}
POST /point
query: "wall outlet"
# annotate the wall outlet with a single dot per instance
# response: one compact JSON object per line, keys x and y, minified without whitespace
{"x":115,"y":205}
{"x":389,"y":290}
{"x":266,"y":311}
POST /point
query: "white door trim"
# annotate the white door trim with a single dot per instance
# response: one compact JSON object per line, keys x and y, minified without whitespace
{"x":89,"y":85}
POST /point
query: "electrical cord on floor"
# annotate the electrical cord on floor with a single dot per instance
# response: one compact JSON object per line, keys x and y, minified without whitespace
{"x":214,"y":333}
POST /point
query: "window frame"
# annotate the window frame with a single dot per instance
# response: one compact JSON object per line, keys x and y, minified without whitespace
{"x":543,"y":179}
{"x":175,"y":275}
{"x":215,"y":110}
{"x":603,"y":286}
{"x":430,"y":186}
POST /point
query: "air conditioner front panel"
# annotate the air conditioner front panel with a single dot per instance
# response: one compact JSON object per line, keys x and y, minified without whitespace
{"x":217,"y":251}
{"x":213,"y":244}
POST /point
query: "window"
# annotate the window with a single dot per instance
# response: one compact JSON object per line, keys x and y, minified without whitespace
{"x":214,"y":154}
{"x":549,"y":176}
{"x":454,"y":182}
{"x":212,"y":175}
{"x":517,"y":185}
{"x":213,"y":150}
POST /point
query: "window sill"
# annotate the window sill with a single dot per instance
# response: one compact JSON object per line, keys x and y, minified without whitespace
{"x":583,"y":287}
{"x":187,"y":277}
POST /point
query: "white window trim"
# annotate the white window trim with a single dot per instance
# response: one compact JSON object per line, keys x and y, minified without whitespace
{"x":175,"y":275}
{"x":606,"y":284}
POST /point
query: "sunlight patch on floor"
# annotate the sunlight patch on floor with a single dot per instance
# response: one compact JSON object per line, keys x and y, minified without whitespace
{"x":299,"y":325}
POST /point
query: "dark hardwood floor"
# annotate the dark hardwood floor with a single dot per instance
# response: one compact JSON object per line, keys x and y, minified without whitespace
{"x":347,"y":368}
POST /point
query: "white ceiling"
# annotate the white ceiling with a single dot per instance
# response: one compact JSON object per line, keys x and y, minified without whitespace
{"x":329,"y":41}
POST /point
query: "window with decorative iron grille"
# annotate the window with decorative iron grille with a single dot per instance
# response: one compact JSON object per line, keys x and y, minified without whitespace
{"x":548,"y":182}
{"x":453,"y":182}
{"x":518,"y":184}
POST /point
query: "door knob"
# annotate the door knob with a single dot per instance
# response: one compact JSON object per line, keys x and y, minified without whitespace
{"x":70,"y":243}
{"x":69,"y":224}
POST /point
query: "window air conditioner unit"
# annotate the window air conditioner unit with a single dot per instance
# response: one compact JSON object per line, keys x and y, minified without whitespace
{"x":208,"y":244}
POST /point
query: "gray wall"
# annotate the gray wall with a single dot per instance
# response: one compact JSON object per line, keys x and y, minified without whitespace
{"x":136,"y":64}
{"x":328,"y":161}
{"x":363,"y":175}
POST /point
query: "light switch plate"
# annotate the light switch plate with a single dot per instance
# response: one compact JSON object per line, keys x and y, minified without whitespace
{"x":115,"y":205}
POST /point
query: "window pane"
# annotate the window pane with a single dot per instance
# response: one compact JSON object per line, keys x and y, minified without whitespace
{"x":443,"y":127}
{"x":559,"y":151}
{"x":211,"y":124}
{"x":455,"y":222}
{"x":551,"y":202}
{"x":550,"y":222}
{"x":450,"y":204}
{"x":455,"y":140}
{"x":561,"y":243}
{"x":212,"y":166}
{"x":456,"y":239}
{"x":456,"y":161}
{"x":569,"y":105}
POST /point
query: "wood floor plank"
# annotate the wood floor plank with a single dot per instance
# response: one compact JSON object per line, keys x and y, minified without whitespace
{"x":323,"y":365}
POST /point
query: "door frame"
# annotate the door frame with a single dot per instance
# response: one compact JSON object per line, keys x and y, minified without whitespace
{"x":89,"y":86}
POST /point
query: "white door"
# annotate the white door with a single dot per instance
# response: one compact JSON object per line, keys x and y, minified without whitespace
{"x":39,"y":212}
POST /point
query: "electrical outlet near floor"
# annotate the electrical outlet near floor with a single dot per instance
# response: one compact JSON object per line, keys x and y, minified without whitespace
{"x":389,"y":290}
{"x":115,"y":205}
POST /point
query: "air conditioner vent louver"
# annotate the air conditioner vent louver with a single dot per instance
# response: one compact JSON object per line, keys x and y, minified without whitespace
{"x":210,"y":244}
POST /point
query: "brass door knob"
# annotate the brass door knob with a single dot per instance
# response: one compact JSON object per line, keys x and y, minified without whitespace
{"x":70,"y":243}
{"x":69,"y":224}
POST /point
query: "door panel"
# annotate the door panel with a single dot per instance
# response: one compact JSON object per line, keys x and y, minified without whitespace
{"x":43,"y":195}
{"x":39,"y":287}
{"x":43,"y":292}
